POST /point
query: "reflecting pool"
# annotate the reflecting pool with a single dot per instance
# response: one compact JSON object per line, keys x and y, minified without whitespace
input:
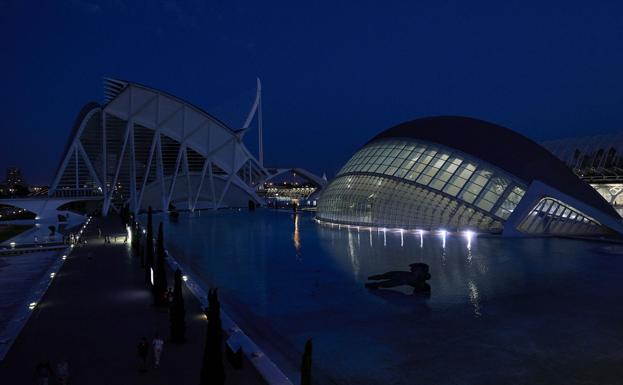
{"x":521,"y":311}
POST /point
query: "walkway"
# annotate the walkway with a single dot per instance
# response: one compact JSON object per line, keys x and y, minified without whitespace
{"x":93,"y":315}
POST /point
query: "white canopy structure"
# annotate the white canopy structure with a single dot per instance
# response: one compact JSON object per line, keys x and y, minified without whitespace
{"x":144,"y":147}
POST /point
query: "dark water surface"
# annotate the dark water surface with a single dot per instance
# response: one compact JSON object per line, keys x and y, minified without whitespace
{"x":516,"y":311}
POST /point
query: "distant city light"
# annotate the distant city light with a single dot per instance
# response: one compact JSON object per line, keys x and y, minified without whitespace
{"x":32,"y":305}
{"x":184,"y":278}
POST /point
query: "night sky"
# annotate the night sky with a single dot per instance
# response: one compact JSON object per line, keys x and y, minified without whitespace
{"x":334,"y":73}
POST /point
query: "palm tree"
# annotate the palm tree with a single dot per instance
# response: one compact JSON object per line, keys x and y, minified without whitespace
{"x":160,"y":272}
{"x":149,"y":248}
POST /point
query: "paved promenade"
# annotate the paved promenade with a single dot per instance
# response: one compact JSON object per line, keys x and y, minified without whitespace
{"x":94,"y":314}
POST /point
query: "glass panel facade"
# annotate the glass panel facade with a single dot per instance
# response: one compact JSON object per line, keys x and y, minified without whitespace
{"x":369,"y":200}
{"x":461,"y":191}
{"x":552,"y":217}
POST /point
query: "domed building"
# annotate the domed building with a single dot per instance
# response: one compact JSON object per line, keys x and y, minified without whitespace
{"x":457,"y":173}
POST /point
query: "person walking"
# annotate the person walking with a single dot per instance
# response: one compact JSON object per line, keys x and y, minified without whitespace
{"x":158,"y":344}
{"x":99,"y":232}
{"x":143,"y":350}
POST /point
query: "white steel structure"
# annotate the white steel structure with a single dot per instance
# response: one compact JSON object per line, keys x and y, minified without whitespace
{"x":144,"y":147}
{"x":597,"y":160}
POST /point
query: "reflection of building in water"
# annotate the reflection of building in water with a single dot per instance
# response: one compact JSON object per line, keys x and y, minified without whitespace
{"x":296,"y":237}
{"x":597,"y":160}
{"x":286,"y":187}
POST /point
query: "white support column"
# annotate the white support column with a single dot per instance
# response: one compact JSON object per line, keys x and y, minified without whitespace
{"x":160,"y":170}
{"x":70,"y":153}
{"x":104,"y":163}
{"x":133,"y":199}
{"x":260,"y":129}
{"x":87,"y":162}
{"x":119,"y":163}
{"x":174,"y":179}
{"x":213,"y":190}
{"x":231,"y":175}
{"x":76,"y":155}
{"x":187,"y":171}
{"x":152,"y":149}
{"x":203,"y":174}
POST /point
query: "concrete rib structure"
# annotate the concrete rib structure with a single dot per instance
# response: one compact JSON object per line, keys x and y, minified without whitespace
{"x":145,"y":147}
{"x":458,"y":173}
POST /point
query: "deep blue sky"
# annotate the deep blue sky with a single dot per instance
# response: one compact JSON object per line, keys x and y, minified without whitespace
{"x":334,"y":73}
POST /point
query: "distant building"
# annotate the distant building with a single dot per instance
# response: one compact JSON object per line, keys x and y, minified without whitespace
{"x":287,"y":186}
{"x":14,"y":177}
{"x":38,"y":190}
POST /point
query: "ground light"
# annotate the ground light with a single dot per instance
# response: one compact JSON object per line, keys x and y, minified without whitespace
{"x":442,"y":232}
{"x":32,"y":305}
{"x":184,"y":278}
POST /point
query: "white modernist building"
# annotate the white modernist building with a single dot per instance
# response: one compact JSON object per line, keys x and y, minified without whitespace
{"x":456,"y":173}
{"x":597,"y":160}
{"x":145,"y":147}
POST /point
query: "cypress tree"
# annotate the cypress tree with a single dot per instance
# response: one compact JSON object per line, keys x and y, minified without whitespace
{"x":160,"y":272}
{"x":140,"y":250}
{"x":212,"y":370}
{"x":135,"y":237}
{"x":177,"y":313}
{"x":149,"y":248}
{"x":306,"y":364}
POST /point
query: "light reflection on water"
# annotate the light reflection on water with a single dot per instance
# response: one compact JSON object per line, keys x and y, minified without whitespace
{"x":496,"y":307}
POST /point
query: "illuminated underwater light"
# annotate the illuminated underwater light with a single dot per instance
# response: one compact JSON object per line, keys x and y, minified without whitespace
{"x":469,"y":235}
{"x":443,"y":233}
